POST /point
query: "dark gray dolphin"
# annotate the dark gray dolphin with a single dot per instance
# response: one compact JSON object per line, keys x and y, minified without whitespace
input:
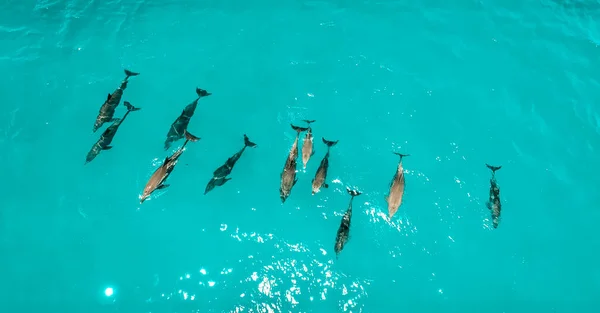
{"x":321,"y":174}
{"x":107,"y":110}
{"x":343,"y":233}
{"x":220,"y":174}
{"x":394,"y":197}
{"x":215,"y":182}
{"x":288,"y":175}
{"x":158,"y":178}
{"x":493,"y":203}
{"x":307,"y":144}
{"x":107,"y":136}
{"x":181,"y":122}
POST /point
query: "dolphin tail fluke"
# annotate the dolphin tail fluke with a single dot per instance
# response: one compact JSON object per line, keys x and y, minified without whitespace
{"x":330,"y":143}
{"x":190,"y":137}
{"x":202,"y":93}
{"x":248,"y":143}
{"x":353,"y":192}
{"x":493,"y":168}
{"x":130,"y":107}
{"x":299,"y":129}
{"x":309,"y":121}
{"x":401,"y":155}
{"x":129,"y":73}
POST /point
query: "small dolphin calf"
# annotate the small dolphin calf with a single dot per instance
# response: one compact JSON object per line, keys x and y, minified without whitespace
{"x":493,"y":203}
{"x":288,"y":175}
{"x":107,"y":110}
{"x":220,"y":174}
{"x":107,"y":136}
{"x":321,"y":174}
{"x":307,"y":144}
{"x":181,"y":122}
{"x":161,"y":174}
{"x":343,"y":233}
{"x":394,"y":198}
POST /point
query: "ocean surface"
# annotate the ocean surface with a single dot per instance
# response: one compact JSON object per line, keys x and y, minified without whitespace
{"x":456,"y":84}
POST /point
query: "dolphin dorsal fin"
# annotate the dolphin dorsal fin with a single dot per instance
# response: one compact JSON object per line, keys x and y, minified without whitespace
{"x":166,"y":160}
{"x":108,"y":97}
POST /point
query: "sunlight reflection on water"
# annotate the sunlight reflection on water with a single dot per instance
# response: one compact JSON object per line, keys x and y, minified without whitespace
{"x":271,"y":284}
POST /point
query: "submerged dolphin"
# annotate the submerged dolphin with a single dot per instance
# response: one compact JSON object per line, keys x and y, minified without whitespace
{"x":181,"y":122}
{"x":158,"y":178}
{"x":215,"y":182}
{"x":394,"y":198}
{"x":307,"y":144}
{"x":321,"y":174}
{"x":107,"y":136}
{"x":288,"y":175}
{"x":107,"y":110}
{"x":343,"y":233}
{"x":493,"y":203}
{"x":220,"y":175}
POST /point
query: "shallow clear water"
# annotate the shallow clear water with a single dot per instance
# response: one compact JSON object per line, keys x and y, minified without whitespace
{"x":456,"y":84}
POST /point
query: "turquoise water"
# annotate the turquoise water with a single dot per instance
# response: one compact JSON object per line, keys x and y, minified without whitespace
{"x":455,"y":84}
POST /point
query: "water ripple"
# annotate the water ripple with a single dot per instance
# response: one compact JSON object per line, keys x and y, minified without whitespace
{"x":297,"y":277}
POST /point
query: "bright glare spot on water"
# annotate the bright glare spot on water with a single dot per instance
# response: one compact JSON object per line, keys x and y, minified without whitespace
{"x":203,"y":271}
{"x":211,"y":283}
{"x":108,"y":292}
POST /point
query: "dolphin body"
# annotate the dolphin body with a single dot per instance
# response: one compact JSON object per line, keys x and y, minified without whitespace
{"x":158,"y":178}
{"x":220,"y":174}
{"x":107,"y":136}
{"x":493,"y":203}
{"x":107,"y":110}
{"x":180,"y":124}
{"x":307,"y":144}
{"x":343,"y":232}
{"x":394,"y":198}
{"x":288,"y":175}
{"x":321,"y":174}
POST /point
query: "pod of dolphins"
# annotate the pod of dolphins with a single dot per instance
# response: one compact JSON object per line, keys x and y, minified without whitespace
{"x":178,"y":130}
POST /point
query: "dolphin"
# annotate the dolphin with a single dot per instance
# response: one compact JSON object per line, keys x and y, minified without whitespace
{"x":158,"y":178}
{"x":343,"y":233}
{"x":307,"y":144}
{"x":394,"y":198}
{"x":321,"y":174}
{"x":288,"y":175}
{"x":107,"y":136}
{"x":493,"y":203}
{"x":220,"y":175}
{"x":215,"y":182}
{"x":181,"y":122}
{"x":107,"y":110}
